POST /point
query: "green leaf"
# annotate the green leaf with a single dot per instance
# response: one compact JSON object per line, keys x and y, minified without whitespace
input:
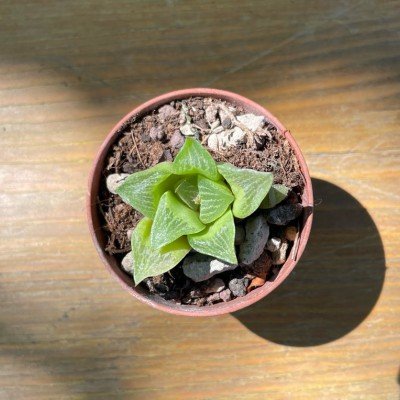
{"x":217,"y":240}
{"x":249,"y":187}
{"x":187,"y":191}
{"x":276,"y":194}
{"x":150,"y":262}
{"x":215,"y":198}
{"x":142,"y":190}
{"x":173,"y":219}
{"x":193,"y":158}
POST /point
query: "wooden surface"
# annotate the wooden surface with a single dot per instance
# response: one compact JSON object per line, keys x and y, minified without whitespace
{"x":328,"y":69}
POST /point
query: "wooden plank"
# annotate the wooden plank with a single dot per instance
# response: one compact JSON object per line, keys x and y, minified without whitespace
{"x":328,"y":70}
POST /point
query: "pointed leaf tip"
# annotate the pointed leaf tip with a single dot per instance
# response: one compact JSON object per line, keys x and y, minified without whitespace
{"x":148,"y":261}
{"x":276,"y":194}
{"x":193,"y":158}
{"x":215,"y":198}
{"x":143,"y":189}
{"x":217,"y":239}
{"x":173,"y":219}
{"x":187,"y":191}
{"x":249,"y":187}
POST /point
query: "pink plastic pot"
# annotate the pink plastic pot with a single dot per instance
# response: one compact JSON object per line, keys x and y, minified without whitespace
{"x":125,"y":280}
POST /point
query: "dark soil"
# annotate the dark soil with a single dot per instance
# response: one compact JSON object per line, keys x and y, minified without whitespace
{"x":156,"y":137}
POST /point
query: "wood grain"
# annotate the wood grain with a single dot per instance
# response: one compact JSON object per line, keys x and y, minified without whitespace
{"x":328,"y":70}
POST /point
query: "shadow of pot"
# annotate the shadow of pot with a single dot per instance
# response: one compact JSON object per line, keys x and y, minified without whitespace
{"x":337,"y":282}
{"x":125,"y":280}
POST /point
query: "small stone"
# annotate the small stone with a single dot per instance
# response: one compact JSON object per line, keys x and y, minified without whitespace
{"x":237,"y":287}
{"x":129,"y":233}
{"x":239,"y":235}
{"x":187,"y":130}
{"x":128,"y":168}
{"x":225,"y":295}
{"x":222,"y":142}
{"x":283,"y":214}
{"x":251,"y":121}
{"x":127,"y":263}
{"x":260,"y":141}
{"x":196,"y":293}
{"x":273,"y":244}
{"x":200,"y":267}
{"x":211,"y":113}
{"x":231,"y":138}
{"x":182,"y":118}
{"x":214,"y":298}
{"x":113,"y":181}
{"x":236,"y":137}
{"x":201,"y":123}
{"x":149,"y":284}
{"x":167,"y":155}
{"x":156,"y":133}
{"x":157,"y":152}
{"x":291,"y":233}
{"x":166,"y":111}
{"x":255,"y":283}
{"x":215,"y":124}
{"x":262,"y":265}
{"x":215,"y":286}
{"x":222,"y":114}
{"x":279,"y":256}
{"x":176,"y":140}
{"x":218,"y":129}
{"x":213,"y":141}
{"x":226,"y":123}
{"x":257,"y":232}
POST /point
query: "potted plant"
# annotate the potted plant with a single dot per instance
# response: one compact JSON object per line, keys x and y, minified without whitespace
{"x":199,"y":202}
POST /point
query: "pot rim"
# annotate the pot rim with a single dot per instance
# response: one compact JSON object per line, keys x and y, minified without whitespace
{"x":124,"y":279}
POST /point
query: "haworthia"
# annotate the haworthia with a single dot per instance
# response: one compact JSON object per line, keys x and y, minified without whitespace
{"x":148,"y":261}
{"x":276,"y":194}
{"x":142,"y":190}
{"x":188,"y":192}
{"x":249,"y":187}
{"x":173,"y":219}
{"x":193,"y":158}
{"x":215,"y":197}
{"x":217,"y":239}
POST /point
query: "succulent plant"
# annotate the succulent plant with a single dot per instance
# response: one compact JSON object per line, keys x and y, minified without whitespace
{"x":191,"y":203}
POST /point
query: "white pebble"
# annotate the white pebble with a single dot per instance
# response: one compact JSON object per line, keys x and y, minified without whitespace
{"x":127,"y":263}
{"x":236,"y":137}
{"x":113,"y":181}
{"x":218,"y":129}
{"x":187,"y":130}
{"x":279,"y":256}
{"x":213,"y":142}
{"x":273,"y":244}
{"x":215,"y":286}
{"x":214,"y":124}
{"x":211,"y":113}
{"x":129,"y":233}
{"x":251,"y":121}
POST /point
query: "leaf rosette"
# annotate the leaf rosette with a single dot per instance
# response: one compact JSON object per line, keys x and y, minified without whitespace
{"x":191,"y":203}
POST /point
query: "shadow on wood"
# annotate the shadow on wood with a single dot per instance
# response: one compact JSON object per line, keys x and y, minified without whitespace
{"x":68,"y":367}
{"x":335,"y":285}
